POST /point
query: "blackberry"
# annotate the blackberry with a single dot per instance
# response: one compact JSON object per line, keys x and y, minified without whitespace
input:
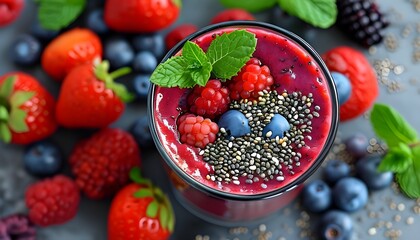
{"x":17,"y":227}
{"x":361,"y":20}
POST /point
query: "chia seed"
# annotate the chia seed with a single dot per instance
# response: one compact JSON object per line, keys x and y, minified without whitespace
{"x":255,"y":156}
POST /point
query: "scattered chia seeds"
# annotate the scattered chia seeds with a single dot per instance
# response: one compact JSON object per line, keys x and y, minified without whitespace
{"x":254,"y":157}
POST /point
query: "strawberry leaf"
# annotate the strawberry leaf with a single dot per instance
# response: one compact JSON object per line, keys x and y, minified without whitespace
{"x":152,"y":209}
{"x":144,"y":192}
{"x":5,"y":134}
{"x":20,"y":97}
{"x":163,"y":216}
{"x":4,"y":114}
{"x":135,"y":174}
{"x":6,"y":88}
{"x":17,"y":120}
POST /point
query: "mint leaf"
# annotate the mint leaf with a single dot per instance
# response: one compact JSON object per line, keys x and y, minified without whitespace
{"x":200,"y":65}
{"x":229,"y":52}
{"x":57,"y":14}
{"x":389,"y":125}
{"x":173,"y":73}
{"x":319,"y":13}
{"x":398,"y":159}
{"x":409,"y":180}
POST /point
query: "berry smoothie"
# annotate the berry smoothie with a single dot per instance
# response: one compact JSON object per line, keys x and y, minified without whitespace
{"x":308,"y":98}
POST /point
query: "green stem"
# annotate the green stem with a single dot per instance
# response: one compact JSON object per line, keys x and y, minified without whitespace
{"x":414,"y":144}
{"x":120,"y":72}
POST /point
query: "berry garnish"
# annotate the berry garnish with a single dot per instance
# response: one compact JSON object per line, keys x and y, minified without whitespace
{"x":52,"y":201}
{"x":316,"y":196}
{"x":110,"y":151}
{"x":141,"y":85}
{"x":209,"y":101}
{"x":43,"y":159}
{"x":150,"y":42}
{"x":361,"y":20}
{"x":10,"y":11}
{"x":234,"y":123}
{"x":196,"y":130}
{"x":95,"y":21}
{"x":144,"y":62}
{"x":277,"y":126}
{"x":350,"y":194}
{"x":141,"y":132}
{"x":357,"y":145}
{"x":253,"y":78}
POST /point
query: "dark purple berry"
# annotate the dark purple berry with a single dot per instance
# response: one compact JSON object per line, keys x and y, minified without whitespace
{"x":367,"y":171}
{"x":119,"y":52}
{"x":144,"y":62}
{"x":141,"y":132}
{"x":350,"y":194}
{"x":16,"y":227}
{"x":95,"y":21}
{"x":44,"y":35}
{"x":150,"y":42}
{"x":335,"y":170}
{"x":43,"y":159}
{"x":336,"y":225}
{"x":357,"y":145}
{"x":316,"y":196}
{"x":141,"y":85}
{"x":25,"y":50}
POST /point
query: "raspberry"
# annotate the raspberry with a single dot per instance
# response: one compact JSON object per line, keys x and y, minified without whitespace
{"x":209,"y":101}
{"x":361,"y":20}
{"x":102,"y":163}
{"x":17,"y":227}
{"x":252,"y":79}
{"x":52,"y":201}
{"x":197,"y":131}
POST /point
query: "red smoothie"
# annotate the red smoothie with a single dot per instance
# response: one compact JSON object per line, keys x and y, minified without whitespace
{"x":297,"y":74}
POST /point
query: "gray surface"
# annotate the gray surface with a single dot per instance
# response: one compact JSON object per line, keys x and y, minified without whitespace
{"x":90,"y":223}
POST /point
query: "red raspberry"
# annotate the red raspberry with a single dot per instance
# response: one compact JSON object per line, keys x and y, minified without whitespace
{"x":52,"y":201}
{"x":102,"y":163}
{"x":252,"y":79}
{"x":197,"y":131}
{"x":178,"y":34}
{"x":209,"y":101}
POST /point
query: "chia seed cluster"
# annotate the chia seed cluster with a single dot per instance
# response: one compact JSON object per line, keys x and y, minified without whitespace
{"x":255,"y":157}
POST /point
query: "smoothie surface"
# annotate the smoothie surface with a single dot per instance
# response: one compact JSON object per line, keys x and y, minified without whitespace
{"x":282,"y":56}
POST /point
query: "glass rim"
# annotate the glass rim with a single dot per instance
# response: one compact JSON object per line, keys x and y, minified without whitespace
{"x":275,"y":192}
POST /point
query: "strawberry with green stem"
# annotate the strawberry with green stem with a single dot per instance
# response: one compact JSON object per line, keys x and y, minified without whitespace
{"x":140,"y":211}
{"x":89,"y":97}
{"x":26,"y":109}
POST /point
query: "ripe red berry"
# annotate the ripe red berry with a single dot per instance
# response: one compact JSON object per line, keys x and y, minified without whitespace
{"x":196,"y":130}
{"x":209,"y":101}
{"x":52,"y":201}
{"x":178,"y":34}
{"x":252,"y":79}
{"x":232,"y":15}
{"x":101,"y":164}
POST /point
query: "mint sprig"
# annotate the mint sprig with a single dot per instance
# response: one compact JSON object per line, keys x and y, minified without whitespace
{"x":403,"y":156}
{"x":319,"y":13}
{"x":224,"y":58}
{"x":57,"y":14}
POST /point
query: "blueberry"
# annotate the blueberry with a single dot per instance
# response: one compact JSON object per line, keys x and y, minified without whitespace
{"x":150,"y":42}
{"x":144,"y":62}
{"x":141,"y":84}
{"x":119,"y":52}
{"x":43,"y":159}
{"x":277,"y":126}
{"x":350,"y":194}
{"x":25,"y":50}
{"x":95,"y":21}
{"x":41,"y":33}
{"x":141,"y":133}
{"x":343,"y":87}
{"x":316,"y":196}
{"x":366,"y":170}
{"x":357,"y":145}
{"x":235,"y":123}
{"x":336,"y":225}
{"x":335,"y":170}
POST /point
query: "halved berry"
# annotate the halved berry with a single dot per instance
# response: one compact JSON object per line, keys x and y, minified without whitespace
{"x":196,"y":130}
{"x":209,"y":101}
{"x":253,"y":78}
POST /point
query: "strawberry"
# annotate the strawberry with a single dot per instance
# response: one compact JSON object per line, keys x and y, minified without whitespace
{"x":178,"y":34}
{"x":89,"y":97}
{"x":232,"y":15}
{"x":364,"y":85}
{"x":140,"y":211}
{"x":101,"y":164}
{"x":10,"y":10}
{"x":141,"y":15}
{"x":26,"y":109}
{"x":70,"y":49}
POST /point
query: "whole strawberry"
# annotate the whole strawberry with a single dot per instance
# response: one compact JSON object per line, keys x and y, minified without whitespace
{"x":89,"y":97}
{"x":70,"y":49}
{"x":101,"y":164}
{"x":140,"y":211}
{"x":26,"y":109}
{"x":52,"y":201}
{"x":141,"y":15}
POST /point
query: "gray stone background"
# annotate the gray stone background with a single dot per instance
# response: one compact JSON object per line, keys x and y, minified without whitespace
{"x":388,"y":215}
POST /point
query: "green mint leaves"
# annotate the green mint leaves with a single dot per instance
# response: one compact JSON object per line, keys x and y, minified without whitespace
{"x":403,"y":156}
{"x":224,"y":58}
{"x":319,"y":13}
{"x":57,"y":14}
